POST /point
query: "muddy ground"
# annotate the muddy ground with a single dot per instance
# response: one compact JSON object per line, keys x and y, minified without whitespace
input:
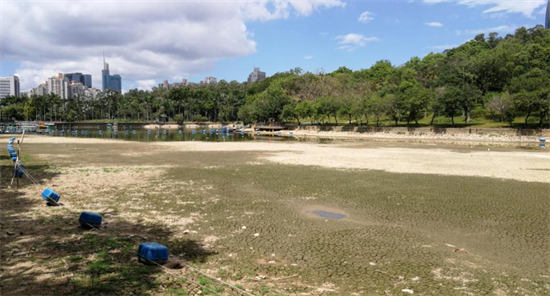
{"x":422,"y":220}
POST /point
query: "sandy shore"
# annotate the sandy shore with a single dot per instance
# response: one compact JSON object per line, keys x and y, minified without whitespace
{"x":515,"y":165}
{"x":421,"y":137}
{"x":530,"y":166}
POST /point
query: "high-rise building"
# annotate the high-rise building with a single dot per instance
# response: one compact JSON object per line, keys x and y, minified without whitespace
{"x":112,"y":82}
{"x":167,"y":85}
{"x":59,"y":85}
{"x":9,"y":86}
{"x":256,"y":75}
{"x":548,"y":15}
{"x":40,"y":90}
{"x":210,"y":80}
{"x":85,"y":79}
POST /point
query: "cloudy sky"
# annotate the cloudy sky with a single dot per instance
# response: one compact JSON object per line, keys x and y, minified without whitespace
{"x":149,"y":41}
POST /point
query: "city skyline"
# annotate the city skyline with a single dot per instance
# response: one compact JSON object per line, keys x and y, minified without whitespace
{"x":241,"y":35}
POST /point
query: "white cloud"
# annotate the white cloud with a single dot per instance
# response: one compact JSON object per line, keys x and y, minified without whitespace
{"x":442,"y":47}
{"x":265,"y":10}
{"x":308,"y":57}
{"x":146,"y":84}
{"x":351,"y":41}
{"x":498,"y":29}
{"x":525,"y":7}
{"x":142,"y":40}
{"x":435,"y":24}
{"x":365,"y":17}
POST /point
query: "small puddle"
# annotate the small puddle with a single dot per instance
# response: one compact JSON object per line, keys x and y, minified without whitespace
{"x":325,"y":214}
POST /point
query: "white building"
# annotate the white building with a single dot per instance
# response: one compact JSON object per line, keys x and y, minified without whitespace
{"x":77,"y":89}
{"x":256,"y":75}
{"x":209,"y":80}
{"x":9,"y":86}
{"x":58,"y":85}
{"x":80,"y":91}
{"x":40,"y":90}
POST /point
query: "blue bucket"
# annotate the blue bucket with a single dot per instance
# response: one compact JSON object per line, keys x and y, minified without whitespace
{"x":151,"y":251}
{"x":49,"y":194}
{"x":90,"y":218}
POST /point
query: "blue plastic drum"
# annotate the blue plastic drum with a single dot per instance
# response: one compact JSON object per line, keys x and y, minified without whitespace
{"x":88,"y":219}
{"x":50,"y":195}
{"x":151,"y":251}
{"x":19,"y":170}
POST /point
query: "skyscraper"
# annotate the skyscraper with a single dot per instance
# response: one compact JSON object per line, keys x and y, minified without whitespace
{"x":548,"y":15}
{"x":85,"y":79}
{"x":112,"y":82}
{"x":9,"y":86}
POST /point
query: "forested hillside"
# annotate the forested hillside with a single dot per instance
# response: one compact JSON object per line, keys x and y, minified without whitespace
{"x":490,"y":78}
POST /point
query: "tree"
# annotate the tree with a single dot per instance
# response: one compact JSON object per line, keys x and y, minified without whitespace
{"x":378,"y":107}
{"x":532,"y":94}
{"x":451,"y":102}
{"x":303,"y":109}
{"x":501,"y":106}
{"x":413,"y":98}
{"x":326,"y":107}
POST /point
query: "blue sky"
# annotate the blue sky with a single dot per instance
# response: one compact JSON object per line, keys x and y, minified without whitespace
{"x":190,"y":39}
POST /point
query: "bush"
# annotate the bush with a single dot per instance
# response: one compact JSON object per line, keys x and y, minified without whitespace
{"x":178,"y":118}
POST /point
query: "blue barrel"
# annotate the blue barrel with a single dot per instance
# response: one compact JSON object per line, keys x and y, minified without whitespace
{"x":14,"y":158}
{"x":90,"y":218}
{"x":151,"y":251}
{"x":149,"y":132}
{"x":49,"y":194}
{"x":542,"y":140}
{"x":19,"y":170}
{"x":11,"y":140}
{"x":133,"y":132}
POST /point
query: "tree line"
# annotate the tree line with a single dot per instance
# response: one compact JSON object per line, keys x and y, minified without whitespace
{"x":499,"y":79}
